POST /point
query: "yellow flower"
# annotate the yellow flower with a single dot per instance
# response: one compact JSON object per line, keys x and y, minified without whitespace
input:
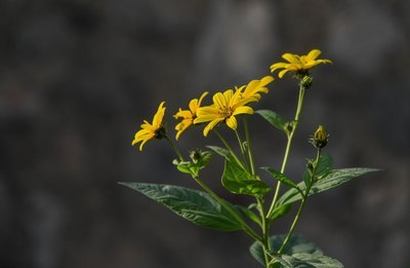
{"x":151,"y":131}
{"x":188,"y":116}
{"x":299,"y":64}
{"x":252,"y":90}
{"x":225,"y":107}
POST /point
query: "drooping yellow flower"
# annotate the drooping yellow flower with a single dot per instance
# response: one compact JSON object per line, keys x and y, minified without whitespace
{"x":225,"y":107}
{"x":152,"y":130}
{"x":298,"y":64}
{"x":251,"y":92}
{"x":188,"y":116}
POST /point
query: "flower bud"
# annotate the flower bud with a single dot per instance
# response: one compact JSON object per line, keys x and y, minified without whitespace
{"x":306,"y":81}
{"x":320,"y":137}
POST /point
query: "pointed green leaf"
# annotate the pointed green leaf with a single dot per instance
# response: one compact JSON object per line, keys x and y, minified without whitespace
{"x":195,"y":206}
{"x":324,"y":166}
{"x":273,"y":118}
{"x":221,"y":151}
{"x":280,"y":211}
{"x":281,"y":177}
{"x":249,"y":214}
{"x":332,"y":180}
{"x":239,"y":181}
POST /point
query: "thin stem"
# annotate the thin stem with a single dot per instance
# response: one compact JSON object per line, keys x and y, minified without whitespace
{"x":240,"y":143}
{"x":229,"y":148}
{"x":174,"y":146}
{"x":265,"y":233}
{"x":238,"y":138}
{"x":249,"y":147}
{"x":302,"y":205}
{"x":248,"y":230}
{"x":289,"y":144}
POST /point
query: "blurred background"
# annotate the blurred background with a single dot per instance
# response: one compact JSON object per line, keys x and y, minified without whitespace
{"x":77,"y":77}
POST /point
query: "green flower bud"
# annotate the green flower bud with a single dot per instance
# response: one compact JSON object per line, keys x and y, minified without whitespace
{"x":306,"y":81}
{"x":320,"y":137}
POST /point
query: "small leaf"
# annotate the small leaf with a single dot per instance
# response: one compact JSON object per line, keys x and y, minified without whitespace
{"x":281,"y":177}
{"x":332,"y":180}
{"x":239,"y":181}
{"x":195,"y":206}
{"x":183,"y":166}
{"x":273,"y":118}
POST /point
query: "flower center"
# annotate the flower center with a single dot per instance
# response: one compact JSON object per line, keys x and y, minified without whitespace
{"x":225,"y":112}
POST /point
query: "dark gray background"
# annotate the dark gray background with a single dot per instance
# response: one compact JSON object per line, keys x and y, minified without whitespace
{"x":78,"y":76}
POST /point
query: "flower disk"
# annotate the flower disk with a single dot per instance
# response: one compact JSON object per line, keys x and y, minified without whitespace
{"x":150,"y":131}
{"x":298,"y":64}
{"x":188,"y":116}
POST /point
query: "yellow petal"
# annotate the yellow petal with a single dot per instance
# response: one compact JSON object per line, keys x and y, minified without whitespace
{"x":202,"y":97}
{"x":231,"y":122}
{"x":193,"y":105}
{"x":159,"y":115}
{"x":142,"y":144}
{"x":206,"y":113}
{"x":278,"y":65}
{"x":211,"y":125}
{"x":292,"y":58}
{"x":266,"y":80}
{"x":313,"y":54}
{"x":219,"y":100}
{"x":182,"y":126}
{"x":243,"y":110}
{"x":183,"y":114}
{"x":282,"y":73}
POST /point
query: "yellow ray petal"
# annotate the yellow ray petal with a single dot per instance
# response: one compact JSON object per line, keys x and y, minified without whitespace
{"x":231,"y":122}
{"x":292,"y":58}
{"x":243,"y":110}
{"x":211,"y":125}
{"x":313,"y":54}
{"x":159,"y":115}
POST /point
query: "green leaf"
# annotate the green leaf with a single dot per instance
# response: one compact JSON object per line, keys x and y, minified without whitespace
{"x":324,"y":166}
{"x":249,"y":214}
{"x":221,"y":151}
{"x":332,"y":180}
{"x":237,"y":180}
{"x":281,"y":177}
{"x":195,"y":206}
{"x":280,"y":211}
{"x":312,"y":260}
{"x":298,"y":253}
{"x":273,"y":118}
{"x":199,"y":160}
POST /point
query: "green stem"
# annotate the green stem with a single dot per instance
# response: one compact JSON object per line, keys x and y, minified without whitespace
{"x":302,"y":205}
{"x":174,"y":146}
{"x":249,"y":147}
{"x":265,"y":234}
{"x":248,"y":230}
{"x":241,"y":146}
{"x":295,"y":124}
{"x":229,"y":148}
